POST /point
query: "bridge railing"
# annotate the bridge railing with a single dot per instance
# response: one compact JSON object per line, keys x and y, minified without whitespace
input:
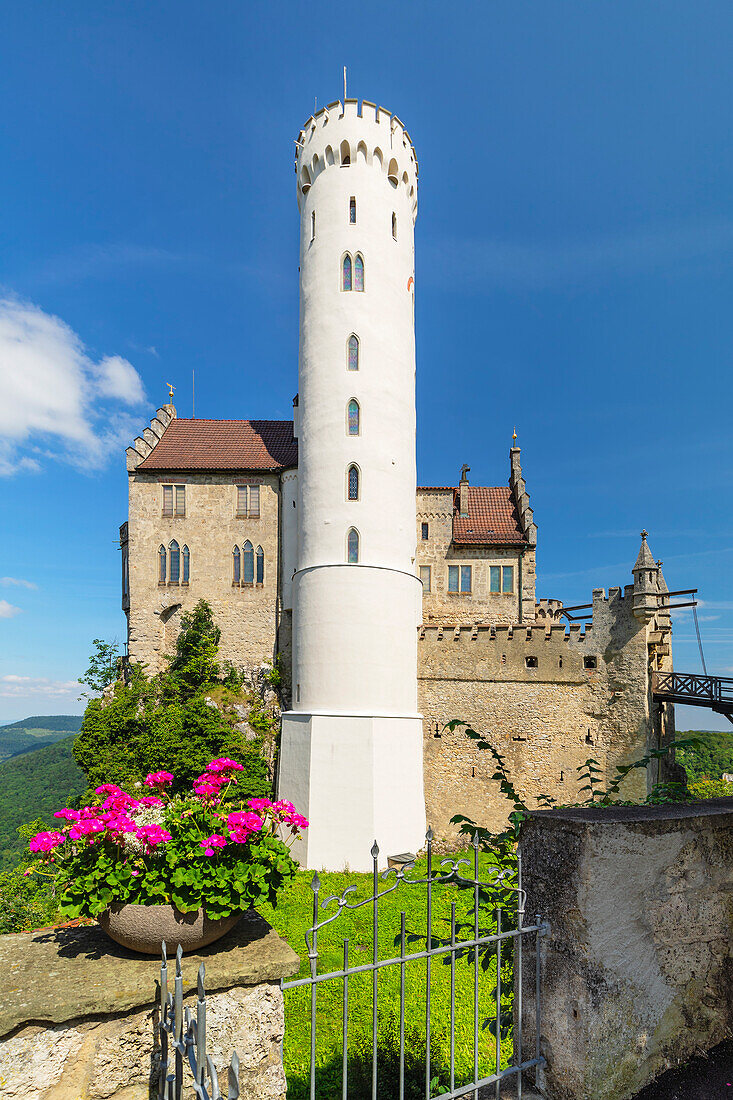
{"x":689,"y":685}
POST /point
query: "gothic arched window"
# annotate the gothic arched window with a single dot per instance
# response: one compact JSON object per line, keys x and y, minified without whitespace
{"x":352,"y":546}
{"x":162,"y":565}
{"x":186,"y":565}
{"x":352,"y":357}
{"x":353,"y":417}
{"x":260,"y":555}
{"x":358,"y":273}
{"x":236,"y":566}
{"x":353,"y":483}
{"x":346,"y":272}
{"x":248,"y":563}
{"x":175,"y":563}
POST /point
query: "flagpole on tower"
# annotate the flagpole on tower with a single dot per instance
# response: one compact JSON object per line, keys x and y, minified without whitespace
{"x":344,"y":84}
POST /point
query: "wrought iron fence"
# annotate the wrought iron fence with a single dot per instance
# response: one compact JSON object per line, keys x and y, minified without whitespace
{"x":183,"y":1039}
{"x":487,"y":898}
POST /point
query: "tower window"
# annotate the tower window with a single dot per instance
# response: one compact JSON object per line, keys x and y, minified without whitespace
{"x":162,"y":563}
{"x":248,"y":562}
{"x":424,"y":531}
{"x":254,"y":501}
{"x":346,"y":272}
{"x":180,"y":500}
{"x":236,"y":566}
{"x":353,"y":483}
{"x":358,"y":273}
{"x":531,"y":662}
{"x":590,"y":662}
{"x":186,"y":565}
{"x":248,"y":501}
{"x":353,"y":417}
{"x":352,"y":547}
{"x":352,"y":360}
{"x":175,"y":563}
{"x":425,"y":577}
{"x":459,"y":578}
{"x":352,"y":210}
{"x":313,"y":225}
{"x":501,"y":578}
{"x":260,"y":557}
{"x":394,"y":225}
{"x":171,"y":494}
{"x":345,"y":154}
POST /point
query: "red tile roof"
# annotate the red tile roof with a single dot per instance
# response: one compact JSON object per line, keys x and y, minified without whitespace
{"x":224,"y":445}
{"x":492,"y":518}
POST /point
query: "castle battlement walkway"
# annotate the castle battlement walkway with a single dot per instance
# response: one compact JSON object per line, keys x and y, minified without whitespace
{"x":715,"y":692}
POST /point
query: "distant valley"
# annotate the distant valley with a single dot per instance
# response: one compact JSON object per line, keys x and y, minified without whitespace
{"x":35,"y":732}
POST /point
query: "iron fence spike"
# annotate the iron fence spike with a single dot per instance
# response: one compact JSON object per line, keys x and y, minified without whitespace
{"x":200,"y":981}
{"x":375,"y":850}
{"x":315,"y":883}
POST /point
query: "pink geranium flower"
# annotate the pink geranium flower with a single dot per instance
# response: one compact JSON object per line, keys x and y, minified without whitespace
{"x":209,"y":843}
{"x":153,"y":835}
{"x":158,"y":780}
{"x":223,"y":764}
{"x":68,"y":815}
{"x":259,"y":804}
{"x":207,"y":792}
{"x":46,"y":842}
{"x":87,"y":827}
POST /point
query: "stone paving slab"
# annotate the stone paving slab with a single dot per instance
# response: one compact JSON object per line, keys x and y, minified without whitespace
{"x":60,"y":974}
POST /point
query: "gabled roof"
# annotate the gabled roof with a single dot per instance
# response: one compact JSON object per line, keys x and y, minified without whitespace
{"x":492,"y":518}
{"x":224,"y":445}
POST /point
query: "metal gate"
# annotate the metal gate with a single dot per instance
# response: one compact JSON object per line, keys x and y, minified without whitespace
{"x":500,"y":900}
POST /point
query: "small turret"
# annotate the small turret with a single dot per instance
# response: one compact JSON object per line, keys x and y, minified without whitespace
{"x":646,"y":590}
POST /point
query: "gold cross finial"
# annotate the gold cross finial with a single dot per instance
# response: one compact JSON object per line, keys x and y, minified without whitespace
{"x":514,"y":436}
{"x":170,"y":394}
{"x":644,"y":534}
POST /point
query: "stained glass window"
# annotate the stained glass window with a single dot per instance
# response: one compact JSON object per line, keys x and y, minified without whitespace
{"x":353,"y":357}
{"x":260,"y":565}
{"x":352,"y":210}
{"x":346,"y":273}
{"x":353,"y":547}
{"x":236,"y":574}
{"x":186,"y":564}
{"x":358,"y":273}
{"x":353,"y":483}
{"x":175,"y":563}
{"x":353,"y":417}
{"x":248,"y":556}
{"x":495,"y":578}
{"x":507,"y":578}
{"x":161,"y":565}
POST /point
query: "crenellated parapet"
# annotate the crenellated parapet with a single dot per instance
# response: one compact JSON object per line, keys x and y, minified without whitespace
{"x":145,"y":443}
{"x":349,"y":133}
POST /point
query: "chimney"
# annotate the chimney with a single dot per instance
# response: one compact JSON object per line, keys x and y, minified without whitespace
{"x":463,"y":490}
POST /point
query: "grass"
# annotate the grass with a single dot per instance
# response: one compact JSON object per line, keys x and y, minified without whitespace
{"x":291,"y":919}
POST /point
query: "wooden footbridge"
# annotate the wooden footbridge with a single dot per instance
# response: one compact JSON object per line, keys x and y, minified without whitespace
{"x":715,"y":692}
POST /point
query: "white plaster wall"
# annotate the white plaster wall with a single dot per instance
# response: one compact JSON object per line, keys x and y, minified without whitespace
{"x":331,"y":660}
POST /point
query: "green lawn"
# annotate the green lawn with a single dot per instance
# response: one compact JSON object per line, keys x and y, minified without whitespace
{"x":293,"y":917}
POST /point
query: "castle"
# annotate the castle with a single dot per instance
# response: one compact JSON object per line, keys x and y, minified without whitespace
{"x":393,"y":608}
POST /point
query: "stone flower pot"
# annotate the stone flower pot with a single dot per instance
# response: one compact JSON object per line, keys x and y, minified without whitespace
{"x":144,"y":927}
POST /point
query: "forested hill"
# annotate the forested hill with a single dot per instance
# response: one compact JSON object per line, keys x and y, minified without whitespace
{"x":33,"y":786}
{"x":35,"y":732}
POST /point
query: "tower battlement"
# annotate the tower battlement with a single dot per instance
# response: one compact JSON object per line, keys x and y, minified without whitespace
{"x":345,"y":134}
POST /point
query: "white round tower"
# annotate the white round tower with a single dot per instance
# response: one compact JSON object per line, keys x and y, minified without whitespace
{"x":351,"y":754}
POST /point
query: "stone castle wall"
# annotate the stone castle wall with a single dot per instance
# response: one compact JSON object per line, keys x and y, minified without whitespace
{"x":545,"y":720}
{"x":211,"y":528}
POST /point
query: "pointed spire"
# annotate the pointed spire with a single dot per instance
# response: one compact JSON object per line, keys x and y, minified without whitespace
{"x":644,"y":559}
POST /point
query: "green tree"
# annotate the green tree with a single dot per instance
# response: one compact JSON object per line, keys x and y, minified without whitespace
{"x":103,"y":664}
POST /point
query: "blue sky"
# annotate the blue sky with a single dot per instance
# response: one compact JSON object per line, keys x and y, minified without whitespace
{"x":574,"y":274}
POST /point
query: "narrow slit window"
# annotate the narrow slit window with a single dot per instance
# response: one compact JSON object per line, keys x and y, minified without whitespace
{"x":425,"y":577}
{"x":352,"y":547}
{"x":353,"y":353}
{"x":236,"y":566}
{"x":180,"y":500}
{"x":353,"y":417}
{"x":358,"y":273}
{"x":260,"y":556}
{"x":353,"y":483}
{"x":352,"y":211}
{"x":162,"y":565}
{"x":394,"y":225}
{"x":313,"y":225}
{"x":248,"y":557}
{"x":241,"y":500}
{"x":167,"y":500}
{"x":424,"y":531}
{"x":175,"y":563}
{"x":186,"y":564}
{"x":346,"y":272}
{"x":254,"y":501}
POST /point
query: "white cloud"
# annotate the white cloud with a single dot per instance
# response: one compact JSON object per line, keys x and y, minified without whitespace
{"x":17,"y":687}
{"x":17,"y":582}
{"x":8,"y":610}
{"x":52,"y":393}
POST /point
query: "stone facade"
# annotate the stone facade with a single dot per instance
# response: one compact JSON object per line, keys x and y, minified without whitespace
{"x":637,"y":962}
